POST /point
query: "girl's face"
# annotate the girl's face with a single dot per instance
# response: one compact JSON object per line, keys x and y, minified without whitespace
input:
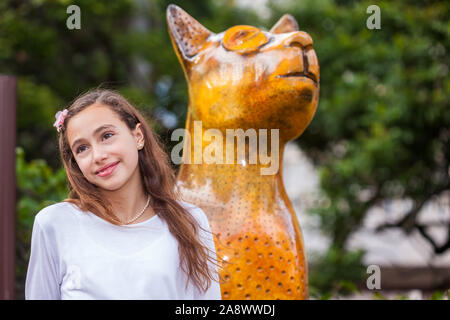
{"x":105,"y":149}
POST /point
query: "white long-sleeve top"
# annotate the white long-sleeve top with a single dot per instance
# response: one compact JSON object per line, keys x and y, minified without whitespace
{"x":78,"y":255}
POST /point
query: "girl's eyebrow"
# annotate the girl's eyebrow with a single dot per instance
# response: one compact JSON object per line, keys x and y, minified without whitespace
{"x":96,"y":131}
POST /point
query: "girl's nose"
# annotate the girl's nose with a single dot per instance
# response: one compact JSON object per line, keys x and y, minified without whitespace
{"x":98,"y":154}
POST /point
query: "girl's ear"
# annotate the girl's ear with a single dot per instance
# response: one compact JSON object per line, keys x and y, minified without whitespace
{"x":139,"y":136}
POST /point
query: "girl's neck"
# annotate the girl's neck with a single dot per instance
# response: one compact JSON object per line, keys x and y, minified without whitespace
{"x":129,"y":200}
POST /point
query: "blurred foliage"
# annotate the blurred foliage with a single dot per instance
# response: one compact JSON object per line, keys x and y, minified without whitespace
{"x":335,"y":273}
{"x":382,"y":127}
{"x":440,"y":295}
{"x":38,"y":186}
{"x":381,"y":130}
{"x":122,"y":44}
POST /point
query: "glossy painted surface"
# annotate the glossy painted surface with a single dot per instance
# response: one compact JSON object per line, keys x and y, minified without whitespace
{"x":247,"y":78}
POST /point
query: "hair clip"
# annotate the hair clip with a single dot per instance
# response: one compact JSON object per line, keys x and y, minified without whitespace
{"x":60,"y":116}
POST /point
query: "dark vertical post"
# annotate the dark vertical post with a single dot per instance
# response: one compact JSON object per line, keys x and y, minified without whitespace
{"x":8,"y":97}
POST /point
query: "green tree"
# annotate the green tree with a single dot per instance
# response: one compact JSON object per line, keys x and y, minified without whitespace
{"x":382,"y":128}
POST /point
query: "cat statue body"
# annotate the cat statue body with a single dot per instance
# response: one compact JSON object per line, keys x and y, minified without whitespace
{"x":255,"y":81}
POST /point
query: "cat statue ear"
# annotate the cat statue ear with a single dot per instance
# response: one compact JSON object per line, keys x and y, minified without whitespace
{"x":187,"y":34}
{"x":287,"y":23}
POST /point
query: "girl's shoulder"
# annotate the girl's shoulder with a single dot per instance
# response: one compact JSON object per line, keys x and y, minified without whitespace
{"x":196,"y":212}
{"x":56,"y":214}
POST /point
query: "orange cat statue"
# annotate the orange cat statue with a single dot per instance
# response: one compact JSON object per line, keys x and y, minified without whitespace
{"x":260,"y":89}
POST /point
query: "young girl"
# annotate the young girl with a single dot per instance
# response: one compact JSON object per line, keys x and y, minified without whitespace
{"x":124,"y":232}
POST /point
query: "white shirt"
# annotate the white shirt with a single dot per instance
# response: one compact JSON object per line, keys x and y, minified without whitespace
{"x":78,"y":255}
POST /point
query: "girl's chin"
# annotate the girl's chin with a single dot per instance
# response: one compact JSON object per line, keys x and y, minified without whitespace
{"x":108,"y":186}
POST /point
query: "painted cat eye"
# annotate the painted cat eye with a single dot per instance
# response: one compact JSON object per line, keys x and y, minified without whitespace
{"x":244,"y":39}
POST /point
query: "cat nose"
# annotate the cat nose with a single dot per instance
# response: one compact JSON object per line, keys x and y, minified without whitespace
{"x":299,"y":39}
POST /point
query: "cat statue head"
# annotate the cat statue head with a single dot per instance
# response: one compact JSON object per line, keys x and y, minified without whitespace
{"x":246,"y":77}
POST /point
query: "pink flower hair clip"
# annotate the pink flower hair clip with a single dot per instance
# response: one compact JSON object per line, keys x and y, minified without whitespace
{"x":60,"y":117}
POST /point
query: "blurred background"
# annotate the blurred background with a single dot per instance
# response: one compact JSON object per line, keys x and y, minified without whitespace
{"x":369,"y":178}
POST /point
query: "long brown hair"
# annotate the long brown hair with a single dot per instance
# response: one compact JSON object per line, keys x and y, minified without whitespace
{"x":159,"y":182}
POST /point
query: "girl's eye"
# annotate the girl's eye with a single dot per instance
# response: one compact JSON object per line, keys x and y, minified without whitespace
{"x":106,"y":134}
{"x":80,"y":149}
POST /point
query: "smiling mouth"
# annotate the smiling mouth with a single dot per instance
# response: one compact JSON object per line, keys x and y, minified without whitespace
{"x":108,"y":170}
